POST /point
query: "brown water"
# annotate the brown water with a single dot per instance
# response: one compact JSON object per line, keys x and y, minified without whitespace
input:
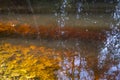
{"x":82,"y":62}
{"x":79,"y":58}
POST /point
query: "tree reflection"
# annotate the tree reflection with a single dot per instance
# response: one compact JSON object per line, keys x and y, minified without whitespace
{"x":109,"y":56}
{"x":75,"y":68}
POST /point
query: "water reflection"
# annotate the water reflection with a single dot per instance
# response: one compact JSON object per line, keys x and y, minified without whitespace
{"x":79,"y":9}
{"x":62,"y":14}
{"x":113,"y":73}
{"x":75,"y":68}
{"x":116,"y":14}
{"x":109,"y":56}
{"x":111,"y":49}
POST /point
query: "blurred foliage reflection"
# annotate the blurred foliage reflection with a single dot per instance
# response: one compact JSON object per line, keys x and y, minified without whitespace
{"x":24,"y":63}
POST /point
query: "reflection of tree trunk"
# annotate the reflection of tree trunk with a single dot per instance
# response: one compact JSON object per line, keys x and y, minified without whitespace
{"x":79,"y":69}
{"x":73,"y":67}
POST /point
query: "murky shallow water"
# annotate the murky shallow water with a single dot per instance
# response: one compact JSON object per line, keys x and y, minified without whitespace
{"x":81,"y":60}
{"x":89,"y":20}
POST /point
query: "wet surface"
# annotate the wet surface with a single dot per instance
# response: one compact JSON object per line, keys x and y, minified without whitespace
{"x":90,"y":20}
{"x":88,"y":60}
{"x":81,"y":58}
{"x":81,"y":46}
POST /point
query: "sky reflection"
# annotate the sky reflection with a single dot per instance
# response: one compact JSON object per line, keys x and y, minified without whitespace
{"x":75,"y":68}
{"x":110,"y":53}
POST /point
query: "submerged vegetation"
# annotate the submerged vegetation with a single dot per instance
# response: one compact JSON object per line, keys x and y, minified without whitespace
{"x":24,"y":63}
{"x":18,"y":62}
{"x":87,"y":50}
